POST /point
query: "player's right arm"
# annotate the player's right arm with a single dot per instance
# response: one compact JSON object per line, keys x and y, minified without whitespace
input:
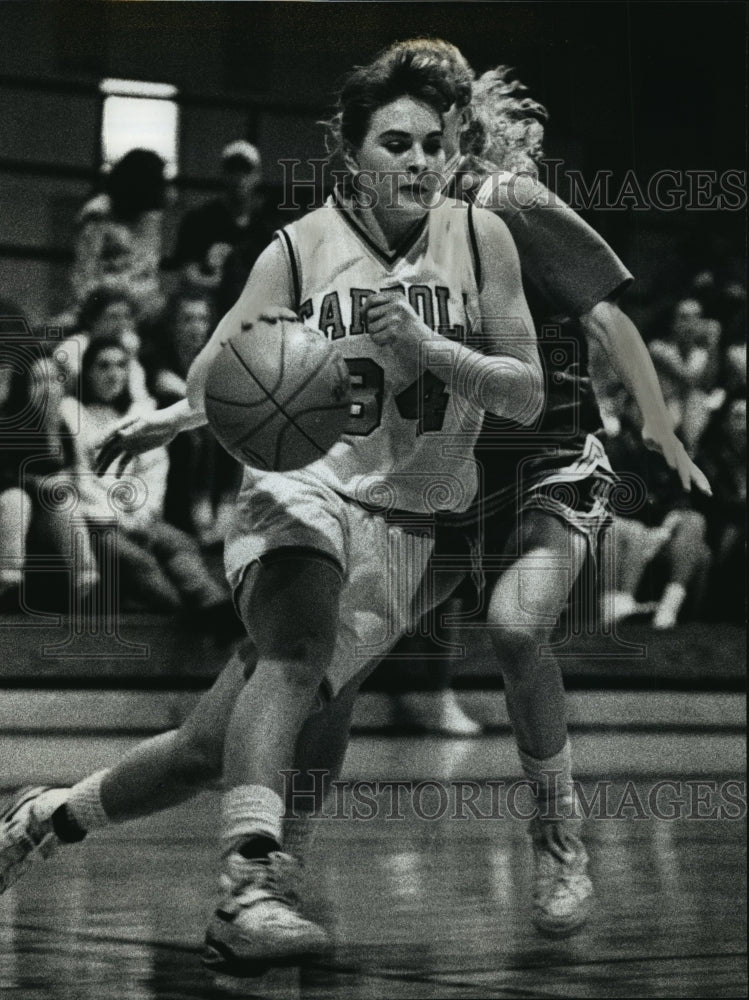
{"x":267,"y":295}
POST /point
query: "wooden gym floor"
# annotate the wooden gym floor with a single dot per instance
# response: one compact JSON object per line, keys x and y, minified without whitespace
{"x":417,"y":908}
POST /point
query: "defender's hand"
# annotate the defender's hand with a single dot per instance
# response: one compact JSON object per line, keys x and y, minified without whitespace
{"x":667,"y":444}
{"x":134,"y":436}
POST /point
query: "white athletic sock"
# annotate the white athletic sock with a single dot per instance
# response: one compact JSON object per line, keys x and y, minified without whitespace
{"x":84,"y":802}
{"x":251,"y":810}
{"x":554,"y":778}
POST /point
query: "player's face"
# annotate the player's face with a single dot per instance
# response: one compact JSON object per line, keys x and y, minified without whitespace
{"x":401,"y":158}
{"x":109,"y":374}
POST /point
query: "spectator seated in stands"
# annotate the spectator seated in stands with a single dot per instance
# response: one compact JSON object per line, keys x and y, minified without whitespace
{"x":188,"y":323}
{"x":119,"y":234}
{"x":160,"y":565}
{"x":36,"y":501}
{"x":657,"y":520}
{"x":13,"y":501}
{"x":108,"y":312}
{"x":690,"y":357}
{"x":722,"y":456}
{"x":203,"y":478}
{"x":225,"y":226}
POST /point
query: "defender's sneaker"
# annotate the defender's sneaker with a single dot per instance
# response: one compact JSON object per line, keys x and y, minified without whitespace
{"x":26,"y":831}
{"x":258,"y":925}
{"x":562,"y":890}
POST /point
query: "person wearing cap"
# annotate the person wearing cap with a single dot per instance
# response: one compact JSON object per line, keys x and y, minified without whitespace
{"x":209,"y":233}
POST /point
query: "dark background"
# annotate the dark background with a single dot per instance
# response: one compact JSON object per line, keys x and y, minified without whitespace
{"x":643,"y":86}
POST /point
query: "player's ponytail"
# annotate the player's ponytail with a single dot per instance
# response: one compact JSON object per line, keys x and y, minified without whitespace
{"x":509,"y":127}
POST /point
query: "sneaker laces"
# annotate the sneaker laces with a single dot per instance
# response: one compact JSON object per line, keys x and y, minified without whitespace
{"x":275,"y":877}
{"x":560,"y":854}
{"x":33,"y":832}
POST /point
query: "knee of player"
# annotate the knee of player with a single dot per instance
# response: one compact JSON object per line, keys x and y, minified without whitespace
{"x":300,"y":655}
{"x":516,"y":644}
{"x":304,"y":662}
{"x":197,"y":761}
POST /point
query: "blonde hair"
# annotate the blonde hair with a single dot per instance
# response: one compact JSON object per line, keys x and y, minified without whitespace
{"x":507,"y":131}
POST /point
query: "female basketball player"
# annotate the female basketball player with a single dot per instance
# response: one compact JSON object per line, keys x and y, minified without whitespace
{"x":307,"y":553}
{"x":323,"y":580}
{"x":166,"y":769}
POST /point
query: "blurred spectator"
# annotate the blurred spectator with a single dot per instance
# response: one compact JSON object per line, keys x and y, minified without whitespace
{"x":108,"y":312}
{"x":733,"y":368}
{"x":187,"y":324}
{"x":13,"y":501}
{"x":203,"y":478}
{"x":419,"y":679}
{"x":225,"y":226}
{"x":656,"y":519}
{"x":722,"y":456}
{"x":118,"y":240}
{"x":37,"y":460}
{"x":690,"y":357}
{"x":160,"y":565}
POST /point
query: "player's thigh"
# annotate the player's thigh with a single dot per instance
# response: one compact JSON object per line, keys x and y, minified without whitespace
{"x":289,"y":603}
{"x":531,"y":593}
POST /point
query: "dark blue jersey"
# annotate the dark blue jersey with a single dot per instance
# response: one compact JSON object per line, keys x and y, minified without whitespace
{"x":567,"y":268}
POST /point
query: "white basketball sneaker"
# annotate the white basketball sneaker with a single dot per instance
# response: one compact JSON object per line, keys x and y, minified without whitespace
{"x":562,"y":890}
{"x":26,"y":831}
{"x":258,"y":924}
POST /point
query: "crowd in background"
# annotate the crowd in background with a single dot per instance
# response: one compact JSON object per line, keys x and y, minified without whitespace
{"x":127,"y":346}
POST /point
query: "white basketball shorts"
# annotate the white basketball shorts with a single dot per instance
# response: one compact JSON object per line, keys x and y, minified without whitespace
{"x":382,"y":563}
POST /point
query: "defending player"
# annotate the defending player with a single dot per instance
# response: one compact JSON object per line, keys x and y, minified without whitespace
{"x":544,"y":492}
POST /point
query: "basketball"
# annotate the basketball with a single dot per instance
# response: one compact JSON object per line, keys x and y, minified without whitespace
{"x":278,"y":395}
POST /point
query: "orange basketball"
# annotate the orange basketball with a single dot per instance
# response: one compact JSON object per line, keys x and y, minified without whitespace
{"x":278,"y":395}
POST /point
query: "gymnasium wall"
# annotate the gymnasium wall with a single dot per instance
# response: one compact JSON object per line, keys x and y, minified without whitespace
{"x":643,"y":86}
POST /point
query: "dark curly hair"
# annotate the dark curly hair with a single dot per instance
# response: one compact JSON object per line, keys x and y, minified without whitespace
{"x":384,"y":80}
{"x":506,"y":127}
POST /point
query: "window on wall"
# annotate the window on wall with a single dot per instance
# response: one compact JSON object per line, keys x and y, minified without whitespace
{"x":138,"y":114}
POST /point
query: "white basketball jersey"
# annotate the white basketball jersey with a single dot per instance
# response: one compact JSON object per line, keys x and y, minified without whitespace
{"x":409,"y":441}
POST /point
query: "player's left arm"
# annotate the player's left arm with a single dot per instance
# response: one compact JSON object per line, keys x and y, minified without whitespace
{"x":617,"y":335}
{"x":507,"y":380}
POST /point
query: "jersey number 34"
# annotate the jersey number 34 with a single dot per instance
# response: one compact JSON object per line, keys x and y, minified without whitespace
{"x":425,"y":400}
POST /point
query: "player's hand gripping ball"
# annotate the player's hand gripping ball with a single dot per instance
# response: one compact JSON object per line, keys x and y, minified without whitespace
{"x":278,"y":395}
